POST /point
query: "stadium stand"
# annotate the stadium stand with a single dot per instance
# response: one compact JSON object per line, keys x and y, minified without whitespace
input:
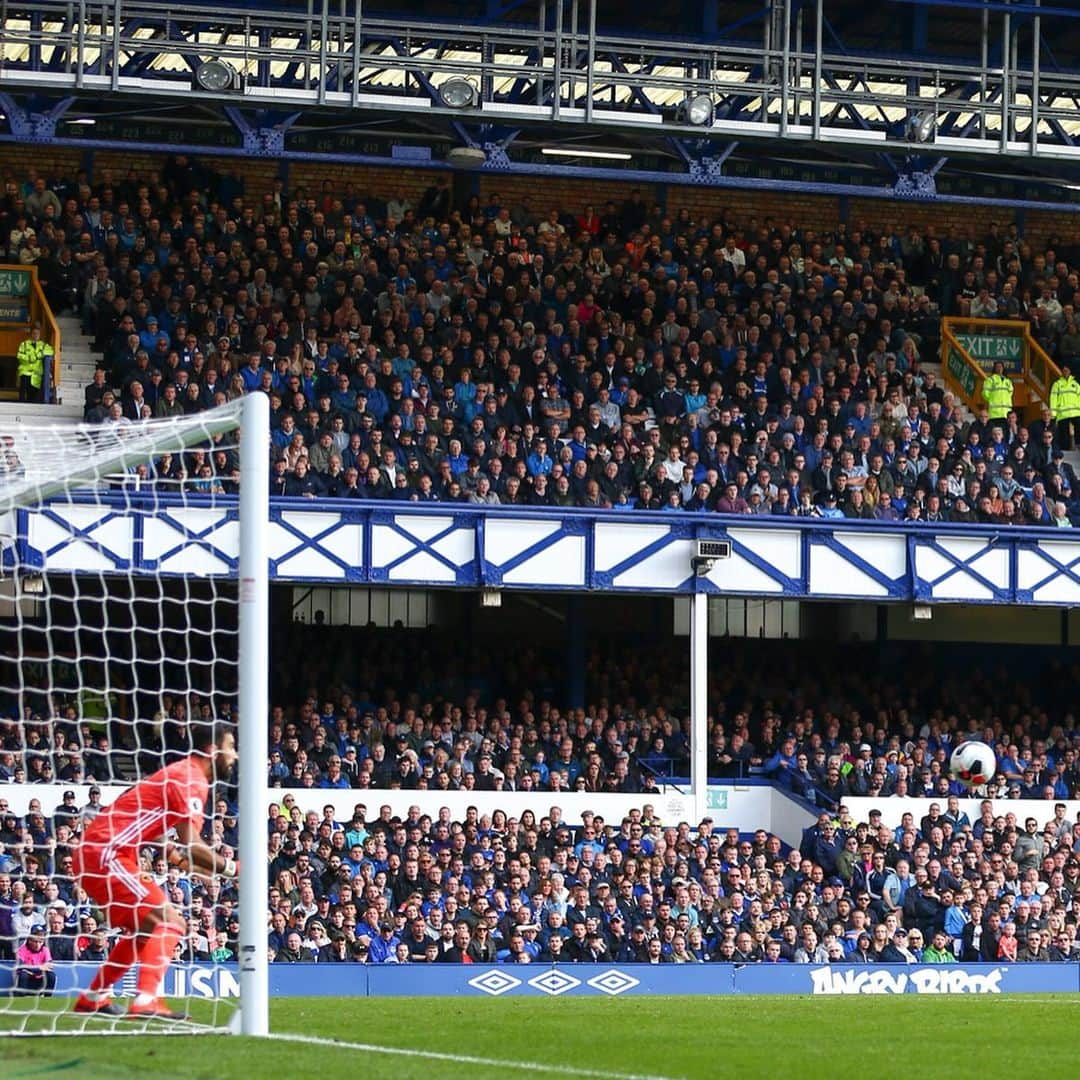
{"x":616,"y":357}
{"x":376,"y":889}
{"x":495,"y":889}
{"x":620,"y":355}
{"x":392,"y":720}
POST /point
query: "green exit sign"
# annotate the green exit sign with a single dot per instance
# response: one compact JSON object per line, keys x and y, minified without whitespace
{"x":14,"y":283}
{"x":718,"y":798}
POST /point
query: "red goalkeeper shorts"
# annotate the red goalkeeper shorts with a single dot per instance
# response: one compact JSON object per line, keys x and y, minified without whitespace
{"x":115,"y":882}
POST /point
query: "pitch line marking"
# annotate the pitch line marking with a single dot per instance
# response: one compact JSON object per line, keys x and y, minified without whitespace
{"x":466,"y":1059}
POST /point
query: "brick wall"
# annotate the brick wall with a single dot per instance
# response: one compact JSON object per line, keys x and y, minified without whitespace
{"x":17,"y":161}
{"x":383,"y":181}
{"x":1042,"y":224}
{"x":824,"y":211}
{"x":568,"y":193}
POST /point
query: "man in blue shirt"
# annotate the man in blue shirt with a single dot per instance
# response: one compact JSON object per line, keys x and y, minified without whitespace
{"x":149,"y":337}
{"x":538,"y":462}
{"x":383,"y":944}
{"x":252,"y":373}
{"x":783,"y":765}
{"x":588,"y":840}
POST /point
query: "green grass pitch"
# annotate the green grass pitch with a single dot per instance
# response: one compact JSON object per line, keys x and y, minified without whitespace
{"x":593,"y":1039}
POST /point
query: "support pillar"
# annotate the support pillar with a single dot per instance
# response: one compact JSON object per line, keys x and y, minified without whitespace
{"x":699,"y":703}
{"x":575,"y":652}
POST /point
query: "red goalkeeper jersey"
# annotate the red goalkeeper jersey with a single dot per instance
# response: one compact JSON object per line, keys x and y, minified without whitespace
{"x":145,"y":812}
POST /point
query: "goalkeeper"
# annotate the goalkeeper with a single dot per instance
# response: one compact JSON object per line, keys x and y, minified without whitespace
{"x":107,"y":863}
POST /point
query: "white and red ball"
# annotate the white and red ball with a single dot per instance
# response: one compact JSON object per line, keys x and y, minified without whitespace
{"x":973,"y":763}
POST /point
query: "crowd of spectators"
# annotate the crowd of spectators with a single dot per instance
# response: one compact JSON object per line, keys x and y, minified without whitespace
{"x":465,"y":887}
{"x":501,"y":354}
{"x":436,"y":712}
{"x":401,"y":709}
{"x":492,"y":353}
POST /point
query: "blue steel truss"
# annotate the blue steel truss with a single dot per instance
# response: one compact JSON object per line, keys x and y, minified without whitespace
{"x":436,"y":546}
{"x":565,"y":76}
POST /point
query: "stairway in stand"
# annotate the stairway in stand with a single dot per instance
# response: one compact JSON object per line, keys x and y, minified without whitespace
{"x":77,"y":363}
{"x":966,"y":415}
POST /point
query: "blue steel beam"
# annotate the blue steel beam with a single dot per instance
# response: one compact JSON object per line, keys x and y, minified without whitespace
{"x":710,"y":16}
{"x":265,"y":137}
{"x":737,"y":104}
{"x":860,"y":121}
{"x":29,"y":124}
{"x":171,"y":35}
{"x":487,"y":135}
{"x":497,"y":10}
{"x":651,"y":107}
{"x":523,"y":91}
{"x":576,"y":172}
{"x":35,"y":49}
{"x":137,"y":58}
{"x":721,"y":32}
{"x":916,"y":30}
{"x":1002,"y":7}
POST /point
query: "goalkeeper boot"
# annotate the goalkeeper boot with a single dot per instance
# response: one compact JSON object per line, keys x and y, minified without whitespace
{"x":102,"y":1006}
{"x":155,"y":1009}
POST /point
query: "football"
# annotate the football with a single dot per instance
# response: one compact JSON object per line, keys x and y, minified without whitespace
{"x":973,"y":763}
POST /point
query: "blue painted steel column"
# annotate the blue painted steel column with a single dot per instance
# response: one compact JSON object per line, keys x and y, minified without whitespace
{"x":916,"y":30}
{"x":575,"y":652}
{"x":700,"y":17}
{"x":916,"y":36}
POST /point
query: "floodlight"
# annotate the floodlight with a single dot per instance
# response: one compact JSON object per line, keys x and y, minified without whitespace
{"x":458,"y":94}
{"x":697,"y":109}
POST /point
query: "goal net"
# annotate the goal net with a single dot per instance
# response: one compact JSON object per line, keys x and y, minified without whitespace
{"x":133,"y":635}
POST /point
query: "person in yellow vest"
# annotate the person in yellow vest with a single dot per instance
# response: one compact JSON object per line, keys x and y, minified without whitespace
{"x":997,"y":392}
{"x":31,"y":358}
{"x":1065,"y":405}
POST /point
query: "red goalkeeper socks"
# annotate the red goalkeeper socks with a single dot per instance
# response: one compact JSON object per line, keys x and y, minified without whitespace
{"x":121,"y":957}
{"x":155,"y":954}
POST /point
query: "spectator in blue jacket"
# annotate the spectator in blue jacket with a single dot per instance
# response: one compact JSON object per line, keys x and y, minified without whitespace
{"x":783,"y":765}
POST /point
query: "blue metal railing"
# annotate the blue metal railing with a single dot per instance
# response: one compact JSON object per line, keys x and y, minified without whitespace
{"x":595,"y":550}
{"x":691,"y":520}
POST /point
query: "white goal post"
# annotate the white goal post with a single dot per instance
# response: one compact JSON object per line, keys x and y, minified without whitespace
{"x":114,"y":655}
{"x":254,"y":649}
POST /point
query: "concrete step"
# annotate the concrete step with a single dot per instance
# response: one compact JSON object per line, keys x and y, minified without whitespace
{"x":77,"y":363}
{"x":14,"y":412}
